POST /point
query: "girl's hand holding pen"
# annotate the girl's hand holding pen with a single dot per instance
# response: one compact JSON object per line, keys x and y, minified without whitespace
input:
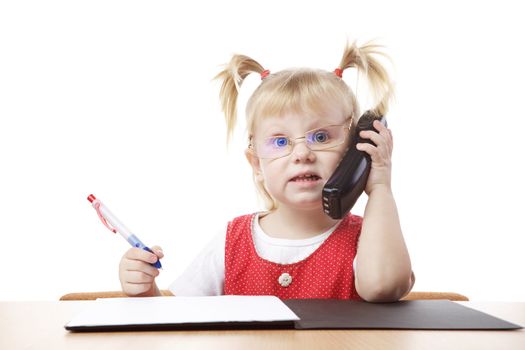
{"x":139,"y":265}
{"x":137,"y":275}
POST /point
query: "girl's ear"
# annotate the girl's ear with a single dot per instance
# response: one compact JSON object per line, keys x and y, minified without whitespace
{"x":255,"y":164}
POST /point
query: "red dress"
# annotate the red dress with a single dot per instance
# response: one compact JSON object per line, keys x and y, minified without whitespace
{"x":326,"y":273}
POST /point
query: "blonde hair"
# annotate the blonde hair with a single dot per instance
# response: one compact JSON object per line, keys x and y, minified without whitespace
{"x":302,"y":90}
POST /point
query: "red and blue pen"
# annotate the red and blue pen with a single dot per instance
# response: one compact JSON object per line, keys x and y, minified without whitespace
{"x":115,"y":225}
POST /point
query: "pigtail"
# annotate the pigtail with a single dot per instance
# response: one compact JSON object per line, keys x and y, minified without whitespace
{"x":363,"y":59}
{"x":232,"y":76}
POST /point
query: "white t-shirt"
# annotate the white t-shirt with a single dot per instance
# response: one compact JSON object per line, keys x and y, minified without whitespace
{"x":205,"y":275}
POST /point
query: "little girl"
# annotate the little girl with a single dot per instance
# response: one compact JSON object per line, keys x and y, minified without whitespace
{"x":299,"y":123}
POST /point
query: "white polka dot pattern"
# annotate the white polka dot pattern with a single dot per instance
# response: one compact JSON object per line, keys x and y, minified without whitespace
{"x":327,"y":273}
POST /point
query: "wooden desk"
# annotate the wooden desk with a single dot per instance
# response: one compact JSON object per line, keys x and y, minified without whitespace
{"x":40,"y":325}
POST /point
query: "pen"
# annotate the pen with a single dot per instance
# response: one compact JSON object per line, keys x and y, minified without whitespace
{"x":114,"y":225}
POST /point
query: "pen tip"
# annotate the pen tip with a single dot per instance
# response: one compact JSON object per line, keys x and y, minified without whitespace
{"x":91,"y":198}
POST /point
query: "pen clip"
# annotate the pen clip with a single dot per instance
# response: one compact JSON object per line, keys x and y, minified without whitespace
{"x":102,"y":218}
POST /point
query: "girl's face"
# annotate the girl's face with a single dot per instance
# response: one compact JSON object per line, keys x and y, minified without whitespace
{"x":296,"y":180}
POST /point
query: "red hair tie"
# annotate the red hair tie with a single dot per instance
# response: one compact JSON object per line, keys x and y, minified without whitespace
{"x":265,"y":73}
{"x":339,"y":72}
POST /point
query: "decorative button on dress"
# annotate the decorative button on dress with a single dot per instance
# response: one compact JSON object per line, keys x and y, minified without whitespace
{"x":326,"y":273}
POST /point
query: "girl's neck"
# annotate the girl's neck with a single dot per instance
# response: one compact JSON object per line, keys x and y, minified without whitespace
{"x":291,"y":223}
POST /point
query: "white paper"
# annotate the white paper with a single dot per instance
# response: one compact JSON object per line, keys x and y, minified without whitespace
{"x":176,"y":310}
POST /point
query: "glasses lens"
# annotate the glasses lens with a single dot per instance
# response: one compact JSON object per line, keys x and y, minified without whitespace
{"x":273,"y":147}
{"x":326,"y":137}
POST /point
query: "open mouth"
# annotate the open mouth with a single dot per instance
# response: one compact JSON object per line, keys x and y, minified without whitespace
{"x":306,"y":177}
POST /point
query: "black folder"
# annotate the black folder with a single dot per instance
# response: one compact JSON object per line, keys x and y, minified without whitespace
{"x":414,"y":314}
{"x":344,"y":314}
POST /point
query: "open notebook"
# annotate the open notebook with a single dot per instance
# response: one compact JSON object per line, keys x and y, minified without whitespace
{"x":242,"y":312}
{"x":184,"y":313}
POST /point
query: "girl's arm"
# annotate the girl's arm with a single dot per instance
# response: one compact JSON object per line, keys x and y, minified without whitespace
{"x":383,"y":268}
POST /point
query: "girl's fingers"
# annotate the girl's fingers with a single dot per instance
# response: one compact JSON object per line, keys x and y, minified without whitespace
{"x":379,"y":126}
{"x":377,"y":154}
{"x":382,"y":137}
{"x":136,"y":265}
{"x":158,"y":251}
{"x":141,"y":255}
{"x":368,"y":148}
{"x":138,"y":277}
{"x":376,"y":138}
{"x":382,"y":140}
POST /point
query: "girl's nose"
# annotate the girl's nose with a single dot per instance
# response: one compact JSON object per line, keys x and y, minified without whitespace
{"x":301,"y":152}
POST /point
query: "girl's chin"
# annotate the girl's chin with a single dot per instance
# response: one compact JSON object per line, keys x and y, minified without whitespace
{"x":304,"y":203}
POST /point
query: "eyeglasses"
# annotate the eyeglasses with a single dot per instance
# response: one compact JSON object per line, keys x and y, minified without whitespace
{"x":318,"y":139}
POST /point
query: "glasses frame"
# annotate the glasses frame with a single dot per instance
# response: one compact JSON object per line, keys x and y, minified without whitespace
{"x":293,"y":141}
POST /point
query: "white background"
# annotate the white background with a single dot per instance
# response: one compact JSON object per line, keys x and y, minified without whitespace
{"x":115,"y":98}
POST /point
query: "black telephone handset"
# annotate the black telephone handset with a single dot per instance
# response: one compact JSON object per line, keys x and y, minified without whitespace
{"x":349,"y":179}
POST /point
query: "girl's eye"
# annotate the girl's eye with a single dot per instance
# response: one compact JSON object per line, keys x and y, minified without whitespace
{"x":279,"y":141}
{"x":320,"y":136}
